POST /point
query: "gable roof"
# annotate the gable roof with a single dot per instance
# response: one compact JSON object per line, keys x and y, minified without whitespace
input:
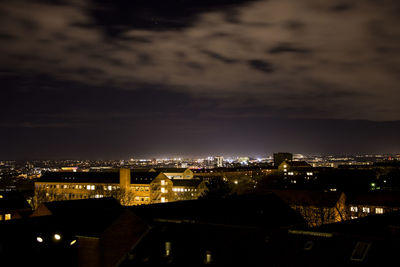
{"x":12,"y":200}
{"x":297,"y":164}
{"x":89,"y":217}
{"x":143,"y":177}
{"x":186,"y":182}
{"x":308,"y":198}
{"x":171,"y":170}
{"x":375,"y":198}
{"x":80,"y":177}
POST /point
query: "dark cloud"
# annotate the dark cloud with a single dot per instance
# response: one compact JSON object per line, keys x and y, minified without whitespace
{"x":261,"y":65}
{"x":288,"y":48}
{"x":219,"y":57}
{"x":117,"y":16}
{"x":342,"y":7}
{"x":7,"y":37}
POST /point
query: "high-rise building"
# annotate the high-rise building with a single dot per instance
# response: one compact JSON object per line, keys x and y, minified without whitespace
{"x":219,"y":161}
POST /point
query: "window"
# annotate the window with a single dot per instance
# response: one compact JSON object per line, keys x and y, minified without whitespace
{"x":353,"y":217}
{"x":309,"y":173}
{"x":1,"y":217}
{"x":290,"y":173}
{"x":7,"y":216}
{"x":379,"y":210}
{"x":353,"y":208}
{"x":163,"y":200}
{"x":162,"y":182}
{"x":137,"y":198}
{"x":65,"y":186}
{"x":162,"y":190}
{"x":365,"y":209}
{"x":360,"y":251}
{"x":110,"y":187}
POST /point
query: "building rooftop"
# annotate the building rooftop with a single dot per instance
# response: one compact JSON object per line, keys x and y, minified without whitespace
{"x":264,"y":211}
{"x":308,"y":198}
{"x":186,"y":182}
{"x":12,"y":200}
{"x":143,"y":177}
{"x":81,"y":177}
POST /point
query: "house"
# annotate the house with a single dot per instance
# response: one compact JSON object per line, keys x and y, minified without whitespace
{"x":316,"y":207}
{"x":368,"y":241}
{"x":104,"y":230}
{"x":13,"y":205}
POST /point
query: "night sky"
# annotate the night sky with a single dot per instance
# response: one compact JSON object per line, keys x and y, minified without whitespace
{"x":113,"y":79}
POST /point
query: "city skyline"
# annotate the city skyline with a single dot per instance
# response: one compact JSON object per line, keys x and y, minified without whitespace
{"x":101,"y":79}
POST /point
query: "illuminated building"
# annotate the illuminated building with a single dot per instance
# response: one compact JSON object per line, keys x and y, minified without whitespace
{"x":370,"y":203}
{"x":219,"y":161}
{"x":129,"y":187}
{"x":188,"y":189}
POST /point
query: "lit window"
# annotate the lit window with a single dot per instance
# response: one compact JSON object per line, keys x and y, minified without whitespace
{"x":285,"y":166}
{"x":365,"y":209}
{"x":309,"y":173}
{"x":1,"y":217}
{"x":163,"y":200}
{"x":162,"y":182}
{"x":353,"y":217}
{"x":379,"y":210}
{"x":110,"y":187}
{"x":352,"y":208}
{"x":162,"y":190}
{"x":58,"y":186}
{"x":137,"y":198}
{"x":65,"y":186}
{"x":290,"y":173}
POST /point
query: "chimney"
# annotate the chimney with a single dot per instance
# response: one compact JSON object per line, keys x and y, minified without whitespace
{"x":124,"y":178}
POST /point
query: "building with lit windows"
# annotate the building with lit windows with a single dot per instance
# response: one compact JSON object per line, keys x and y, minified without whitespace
{"x":188,"y":189}
{"x":369,"y":203}
{"x":128,"y":186}
{"x":219,"y":161}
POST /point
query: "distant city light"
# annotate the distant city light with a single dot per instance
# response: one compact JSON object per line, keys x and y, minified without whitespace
{"x":73,"y":242}
{"x":57,"y":236}
{"x":39,"y":239}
